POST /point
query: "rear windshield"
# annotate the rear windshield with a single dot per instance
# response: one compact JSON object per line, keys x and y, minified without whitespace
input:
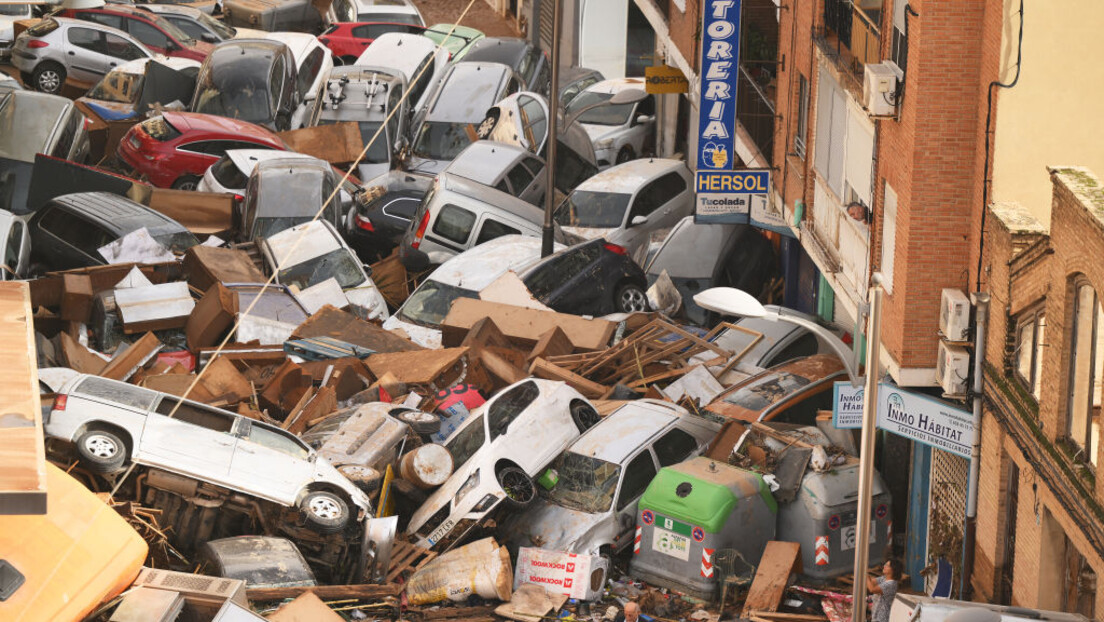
{"x":239,"y":90}
{"x":762,"y":393}
{"x":44,"y":27}
{"x":160,"y":129}
{"x":337,"y":264}
{"x":429,"y":304}
{"x":228,"y":174}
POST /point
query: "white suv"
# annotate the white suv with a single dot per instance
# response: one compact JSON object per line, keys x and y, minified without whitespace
{"x":114,"y":422}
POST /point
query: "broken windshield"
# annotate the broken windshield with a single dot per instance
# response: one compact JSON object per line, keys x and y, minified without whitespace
{"x":337,"y":264}
{"x":429,"y":304}
{"x":586,"y":484}
{"x":466,"y":442}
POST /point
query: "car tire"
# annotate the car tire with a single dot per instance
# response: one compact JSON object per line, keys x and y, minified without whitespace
{"x":419,"y":421}
{"x":630,"y":298}
{"x":101,"y":451}
{"x":584,"y":415}
{"x":625,"y":154}
{"x":186,"y":182}
{"x":519,"y":487}
{"x":48,"y":77}
{"x":324,"y":511}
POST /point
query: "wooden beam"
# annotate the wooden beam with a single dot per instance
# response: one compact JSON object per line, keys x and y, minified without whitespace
{"x":22,"y":447}
{"x":360,"y":591}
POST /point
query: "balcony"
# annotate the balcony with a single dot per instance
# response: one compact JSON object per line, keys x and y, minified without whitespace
{"x":850,"y":36}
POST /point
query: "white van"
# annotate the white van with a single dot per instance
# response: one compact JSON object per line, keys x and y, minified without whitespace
{"x":418,"y":58}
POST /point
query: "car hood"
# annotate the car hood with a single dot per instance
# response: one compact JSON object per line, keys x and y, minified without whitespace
{"x":553,"y":527}
{"x":421,"y":335}
{"x":249,"y":33}
{"x":598,"y":132}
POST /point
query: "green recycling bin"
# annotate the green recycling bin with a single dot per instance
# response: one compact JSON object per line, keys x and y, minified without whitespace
{"x":689,"y":512}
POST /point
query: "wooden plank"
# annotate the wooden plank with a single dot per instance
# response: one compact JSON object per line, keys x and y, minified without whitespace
{"x":780,"y":559}
{"x":421,"y":367}
{"x":781,"y":615}
{"x":453,"y":612}
{"x":552,"y":343}
{"x":359,"y":591}
{"x":139,"y":353}
{"x":525,"y":326}
{"x":308,"y":607}
{"x":543,"y":369}
{"x":331,"y":322}
{"x":22,"y":447}
{"x":339,"y":143}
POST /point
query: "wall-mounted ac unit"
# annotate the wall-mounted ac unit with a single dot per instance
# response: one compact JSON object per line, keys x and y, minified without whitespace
{"x":954,"y":315}
{"x":952,"y":368}
{"x":880,"y":82}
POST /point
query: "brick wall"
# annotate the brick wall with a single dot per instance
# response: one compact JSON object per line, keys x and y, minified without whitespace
{"x":794,"y":180}
{"x":683,"y":30}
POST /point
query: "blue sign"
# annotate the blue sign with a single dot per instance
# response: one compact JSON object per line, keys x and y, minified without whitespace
{"x":717,"y":96}
{"x":925,"y":419}
{"x":847,"y":406}
{"x":726,"y":196}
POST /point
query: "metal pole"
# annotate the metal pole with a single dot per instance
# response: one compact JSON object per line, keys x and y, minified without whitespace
{"x":553,"y":122}
{"x":866,"y":451}
{"x":981,"y":320}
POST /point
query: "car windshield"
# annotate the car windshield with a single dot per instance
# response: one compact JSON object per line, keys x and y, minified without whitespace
{"x":584,"y":483}
{"x":466,"y":442}
{"x":586,"y":208}
{"x":758,"y":395}
{"x":440,"y":140}
{"x":118,"y":86}
{"x":15,"y":9}
{"x":236,"y":92}
{"x":222,"y":30}
{"x":429,"y":304}
{"x":378,"y":152}
{"x":337,"y":264}
{"x":609,"y":114}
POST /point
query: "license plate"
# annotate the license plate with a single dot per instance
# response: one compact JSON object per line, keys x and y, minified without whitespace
{"x":441,"y":531}
{"x":671,"y":543}
{"x":848,"y":535}
{"x":135,"y":142}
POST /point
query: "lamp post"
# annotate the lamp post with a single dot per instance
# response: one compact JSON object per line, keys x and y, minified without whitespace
{"x":732,"y":301}
{"x":627,"y":96}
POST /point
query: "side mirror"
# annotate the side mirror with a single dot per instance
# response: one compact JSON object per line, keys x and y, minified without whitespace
{"x":638,"y":220}
{"x":644,"y":118}
{"x":209,"y":38}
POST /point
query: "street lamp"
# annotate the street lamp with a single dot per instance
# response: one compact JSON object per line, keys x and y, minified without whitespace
{"x":732,"y":301}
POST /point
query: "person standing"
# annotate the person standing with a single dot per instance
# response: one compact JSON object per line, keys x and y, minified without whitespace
{"x":884,"y":589}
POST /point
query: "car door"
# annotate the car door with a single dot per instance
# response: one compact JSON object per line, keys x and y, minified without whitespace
{"x":673,"y":201}
{"x":635,"y":477}
{"x":635,"y":236}
{"x":524,"y":440}
{"x":150,"y":36}
{"x":640,"y":134}
{"x":270,"y":462}
{"x":534,"y":192}
{"x":190,"y":439}
{"x":87,"y":55}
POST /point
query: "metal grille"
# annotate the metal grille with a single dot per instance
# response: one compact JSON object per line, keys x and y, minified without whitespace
{"x":947,"y":511}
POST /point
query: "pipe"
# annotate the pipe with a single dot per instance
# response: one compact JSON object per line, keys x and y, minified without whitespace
{"x":866,"y":451}
{"x":981,"y":319}
{"x":553,"y":123}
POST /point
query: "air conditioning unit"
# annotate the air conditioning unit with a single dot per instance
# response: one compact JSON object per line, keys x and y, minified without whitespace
{"x":952,"y":368}
{"x":954,"y":315}
{"x":880,"y":88}
{"x":197,"y":590}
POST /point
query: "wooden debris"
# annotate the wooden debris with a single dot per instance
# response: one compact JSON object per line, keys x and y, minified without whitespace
{"x":307,"y":607}
{"x":543,"y":369}
{"x":780,"y":560}
{"x":406,"y":559}
{"x":364,"y":591}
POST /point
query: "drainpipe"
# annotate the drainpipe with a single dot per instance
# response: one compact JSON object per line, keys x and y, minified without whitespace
{"x":981,"y":318}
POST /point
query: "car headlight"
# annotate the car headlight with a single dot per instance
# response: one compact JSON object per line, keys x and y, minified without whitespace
{"x":605,"y":143}
{"x":468,"y":486}
{"x":485,"y":503}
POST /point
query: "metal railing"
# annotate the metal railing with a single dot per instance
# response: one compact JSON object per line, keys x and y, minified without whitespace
{"x":755,"y":111}
{"x":857,"y":38}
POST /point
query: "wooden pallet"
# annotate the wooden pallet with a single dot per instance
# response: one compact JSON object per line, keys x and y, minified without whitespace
{"x":406,"y":556}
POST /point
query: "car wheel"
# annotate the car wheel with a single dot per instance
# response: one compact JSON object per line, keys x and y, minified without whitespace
{"x":48,"y":77}
{"x":420,"y":422}
{"x":518,"y":486}
{"x":584,"y":415}
{"x":324,"y":511}
{"x":101,"y":452}
{"x":625,"y":154}
{"x":630,"y":299}
{"x":186,"y":182}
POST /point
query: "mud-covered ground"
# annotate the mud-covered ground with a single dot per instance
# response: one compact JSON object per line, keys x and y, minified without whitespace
{"x":480,"y":16}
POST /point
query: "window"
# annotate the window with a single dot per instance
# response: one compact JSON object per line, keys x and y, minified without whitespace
{"x":147,"y":34}
{"x":512,"y":87}
{"x":121,"y":48}
{"x":114,"y":21}
{"x":640,"y":472}
{"x":520,"y":178}
{"x":196,"y":415}
{"x":208,"y":147}
{"x":454,"y":224}
{"x":1086,"y":357}
{"x":88,"y":39}
{"x":804,"y":410}
{"x":308,"y":71}
{"x":535,"y":166}
{"x":276,"y":80}
{"x":14,"y":245}
{"x":802,"y":115}
{"x":831,"y":132}
{"x":189,"y":27}
{"x":899,"y":46}
{"x":278,"y":441}
{"x":118,"y":392}
{"x":647,"y":106}
{"x":394,"y":101}
{"x":1030,"y":331}
{"x":889,"y":235}
{"x":674,"y":447}
{"x":668,"y":187}
{"x":64,"y":142}
{"x":77,"y":232}
{"x":805,"y":345}
{"x":559,"y":270}
{"x":509,"y":405}
{"x":493,"y":229}
{"x":424,"y":75}
{"x":646,"y":201}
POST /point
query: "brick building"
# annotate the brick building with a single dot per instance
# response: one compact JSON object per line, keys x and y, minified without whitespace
{"x":1040,"y":535}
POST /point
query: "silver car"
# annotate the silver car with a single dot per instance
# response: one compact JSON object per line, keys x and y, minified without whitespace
{"x":620,"y":132}
{"x":59,"y":48}
{"x":113,"y":422}
{"x":601,"y":476}
{"x":366,"y":96}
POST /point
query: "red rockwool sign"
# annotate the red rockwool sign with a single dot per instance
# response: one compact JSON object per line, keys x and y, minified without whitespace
{"x":565,"y":573}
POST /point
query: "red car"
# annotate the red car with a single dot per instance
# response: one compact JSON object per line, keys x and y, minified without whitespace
{"x":175,"y":149}
{"x":347,"y":40}
{"x":154,"y":31}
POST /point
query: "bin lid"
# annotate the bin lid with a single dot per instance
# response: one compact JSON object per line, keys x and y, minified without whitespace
{"x":838,"y":486}
{"x":704,"y":491}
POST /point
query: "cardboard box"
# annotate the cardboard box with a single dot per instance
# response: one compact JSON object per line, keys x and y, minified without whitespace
{"x":212,"y":317}
{"x":76,"y":297}
{"x":524,"y":326}
{"x":206,"y":265}
{"x":560,"y":573}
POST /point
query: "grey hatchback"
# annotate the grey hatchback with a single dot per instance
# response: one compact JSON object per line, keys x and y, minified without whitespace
{"x":251,"y":80}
